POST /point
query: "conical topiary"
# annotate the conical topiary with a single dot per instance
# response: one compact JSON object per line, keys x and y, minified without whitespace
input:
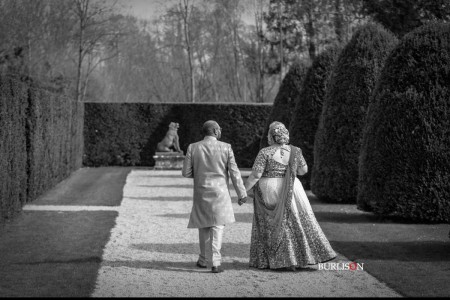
{"x":308,"y":107}
{"x":404,"y":167}
{"x":284,"y":102}
{"x":337,"y":142}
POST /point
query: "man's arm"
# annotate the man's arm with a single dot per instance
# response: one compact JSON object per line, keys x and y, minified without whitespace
{"x":235,"y":175}
{"x":188,"y":170}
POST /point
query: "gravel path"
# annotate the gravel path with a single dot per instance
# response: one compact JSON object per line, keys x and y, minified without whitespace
{"x":151,"y":253}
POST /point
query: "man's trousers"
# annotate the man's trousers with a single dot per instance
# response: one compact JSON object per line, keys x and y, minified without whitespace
{"x":211,"y":239}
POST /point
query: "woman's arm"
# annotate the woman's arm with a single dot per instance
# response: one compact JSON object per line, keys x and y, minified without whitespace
{"x":252,"y":179}
{"x":302,"y":169}
{"x":257,"y":170}
{"x":249,"y":183}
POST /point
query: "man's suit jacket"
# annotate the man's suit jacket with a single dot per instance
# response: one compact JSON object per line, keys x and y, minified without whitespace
{"x":209,"y":162}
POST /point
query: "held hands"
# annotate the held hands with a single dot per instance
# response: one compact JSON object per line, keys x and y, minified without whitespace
{"x":243,"y":200}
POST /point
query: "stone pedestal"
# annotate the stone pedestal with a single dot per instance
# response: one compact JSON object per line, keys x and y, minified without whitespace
{"x":168,"y":160}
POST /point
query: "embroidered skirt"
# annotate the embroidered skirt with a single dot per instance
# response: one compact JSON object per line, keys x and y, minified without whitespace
{"x":301,"y":240}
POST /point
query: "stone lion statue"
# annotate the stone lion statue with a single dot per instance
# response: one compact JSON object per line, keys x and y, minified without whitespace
{"x":171,"y":140}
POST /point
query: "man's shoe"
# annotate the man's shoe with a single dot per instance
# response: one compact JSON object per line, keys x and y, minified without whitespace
{"x":217,"y":269}
{"x":200,"y":265}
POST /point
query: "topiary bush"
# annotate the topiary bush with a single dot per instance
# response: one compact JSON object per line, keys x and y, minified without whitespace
{"x":284,"y":102}
{"x":404,"y":167}
{"x":127,"y":134}
{"x":305,"y":118}
{"x":338,"y":138}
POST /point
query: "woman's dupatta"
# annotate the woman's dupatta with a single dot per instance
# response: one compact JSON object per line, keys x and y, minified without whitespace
{"x":279,"y":214}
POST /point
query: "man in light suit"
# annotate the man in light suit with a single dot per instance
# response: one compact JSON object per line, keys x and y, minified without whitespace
{"x":211,"y":163}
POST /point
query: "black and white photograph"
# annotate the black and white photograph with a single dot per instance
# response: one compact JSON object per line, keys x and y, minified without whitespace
{"x":224,"y":148}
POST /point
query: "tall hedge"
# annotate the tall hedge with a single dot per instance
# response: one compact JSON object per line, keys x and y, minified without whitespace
{"x":13,"y":146}
{"x":338,"y":138}
{"x":284,"y":102}
{"x":405,"y":154}
{"x":40,"y":141}
{"x":55,"y":148}
{"x":126,"y":134}
{"x":308,"y":108}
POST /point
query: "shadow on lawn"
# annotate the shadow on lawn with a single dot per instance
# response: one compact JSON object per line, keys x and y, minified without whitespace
{"x":53,"y":254}
{"x":91,"y":259}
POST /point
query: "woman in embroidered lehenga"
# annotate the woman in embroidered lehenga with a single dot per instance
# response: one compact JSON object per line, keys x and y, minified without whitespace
{"x":285,"y":232}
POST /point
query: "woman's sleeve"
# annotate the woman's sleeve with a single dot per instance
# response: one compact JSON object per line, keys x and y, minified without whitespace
{"x":301,"y":160}
{"x":260,"y":162}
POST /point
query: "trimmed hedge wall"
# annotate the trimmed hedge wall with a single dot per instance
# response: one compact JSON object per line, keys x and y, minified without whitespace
{"x":55,"y":139}
{"x":306,"y":115}
{"x":126,"y":134}
{"x":13,"y":146}
{"x":338,"y":138}
{"x":40,"y":141}
{"x":284,"y":102}
{"x":404,"y":165}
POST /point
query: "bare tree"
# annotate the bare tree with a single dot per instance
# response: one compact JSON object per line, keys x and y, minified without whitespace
{"x":35,"y":30}
{"x":93,"y":39}
{"x":185,"y":10}
{"x":259,"y":22}
{"x":281,"y":37}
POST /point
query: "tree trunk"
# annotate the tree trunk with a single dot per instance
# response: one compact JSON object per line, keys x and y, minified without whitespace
{"x":236,"y":50}
{"x":312,"y":36}
{"x":338,"y":21}
{"x":188,"y":49}
{"x":281,"y":42}
{"x":83,"y":7}
{"x":260,"y":52}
